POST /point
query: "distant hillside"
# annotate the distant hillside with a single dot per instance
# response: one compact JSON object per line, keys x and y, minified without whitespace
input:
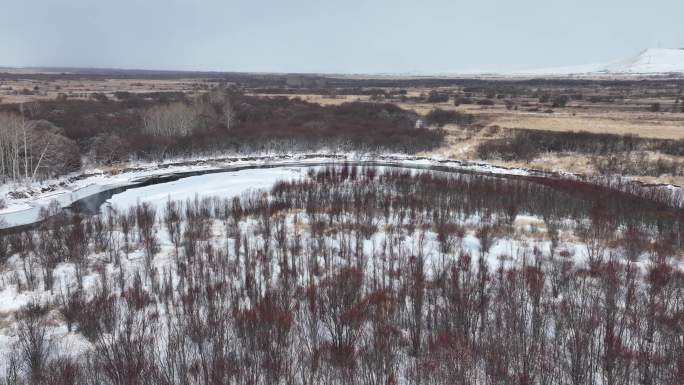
{"x":652,"y":61}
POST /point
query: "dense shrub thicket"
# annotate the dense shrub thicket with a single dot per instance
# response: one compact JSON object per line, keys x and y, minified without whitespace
{"x":155,"y":126}
{"x":440,"y":117}
{"x":356,"y":276}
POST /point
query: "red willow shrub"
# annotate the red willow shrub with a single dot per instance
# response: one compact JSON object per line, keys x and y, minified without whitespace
{"x":280,"y":287}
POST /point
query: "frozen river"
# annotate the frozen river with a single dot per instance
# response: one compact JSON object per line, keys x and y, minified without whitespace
{"x":223,"y":185}
{"x":161,"y":183}
{"x":158,"y":191}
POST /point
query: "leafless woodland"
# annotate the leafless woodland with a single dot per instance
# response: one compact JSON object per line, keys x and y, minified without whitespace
{"x":357,"y":276}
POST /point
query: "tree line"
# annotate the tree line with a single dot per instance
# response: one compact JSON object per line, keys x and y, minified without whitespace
{"x":49,"y":138}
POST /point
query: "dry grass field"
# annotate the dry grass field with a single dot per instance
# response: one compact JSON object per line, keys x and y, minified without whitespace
{"x":660,"y":125}
{"x":324,"y":100}
{"x":575,"y":117}
{"x":27,"y":90}
{"x":648,"y":125}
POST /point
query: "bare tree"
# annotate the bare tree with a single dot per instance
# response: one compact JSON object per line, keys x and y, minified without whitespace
{"x":33,"y":342}
{"x":175,"y":119}
{"x":32,"y":148}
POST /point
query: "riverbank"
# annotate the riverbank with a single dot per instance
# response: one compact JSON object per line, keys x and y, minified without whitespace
{"x":24,"y":202}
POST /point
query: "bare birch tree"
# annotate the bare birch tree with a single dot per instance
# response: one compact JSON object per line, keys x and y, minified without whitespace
{"x":175,"y":119}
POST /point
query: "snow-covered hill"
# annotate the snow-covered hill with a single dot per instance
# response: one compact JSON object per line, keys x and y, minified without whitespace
{"x":650,"y":61}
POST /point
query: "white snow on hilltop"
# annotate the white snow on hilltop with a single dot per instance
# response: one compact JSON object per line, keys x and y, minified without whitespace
{"x":652,"y":60}
{"x":647,"y":62}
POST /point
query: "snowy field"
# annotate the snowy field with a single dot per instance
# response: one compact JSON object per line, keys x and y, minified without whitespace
{"x":339,"y":241}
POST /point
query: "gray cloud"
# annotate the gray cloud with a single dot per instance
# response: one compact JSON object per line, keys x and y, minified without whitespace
{"x":332,"y":36}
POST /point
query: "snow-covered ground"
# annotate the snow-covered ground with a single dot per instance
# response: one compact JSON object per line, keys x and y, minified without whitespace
{"x":507,"y":251}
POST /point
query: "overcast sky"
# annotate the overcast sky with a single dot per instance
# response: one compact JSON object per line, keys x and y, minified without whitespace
{"x":345,"y":36}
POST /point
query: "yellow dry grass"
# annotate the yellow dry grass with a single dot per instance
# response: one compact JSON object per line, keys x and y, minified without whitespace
{"x":462,"y":144}
{"x":649,"y":125}
{"x":324,"y":100}
{"x":661,"y":125}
